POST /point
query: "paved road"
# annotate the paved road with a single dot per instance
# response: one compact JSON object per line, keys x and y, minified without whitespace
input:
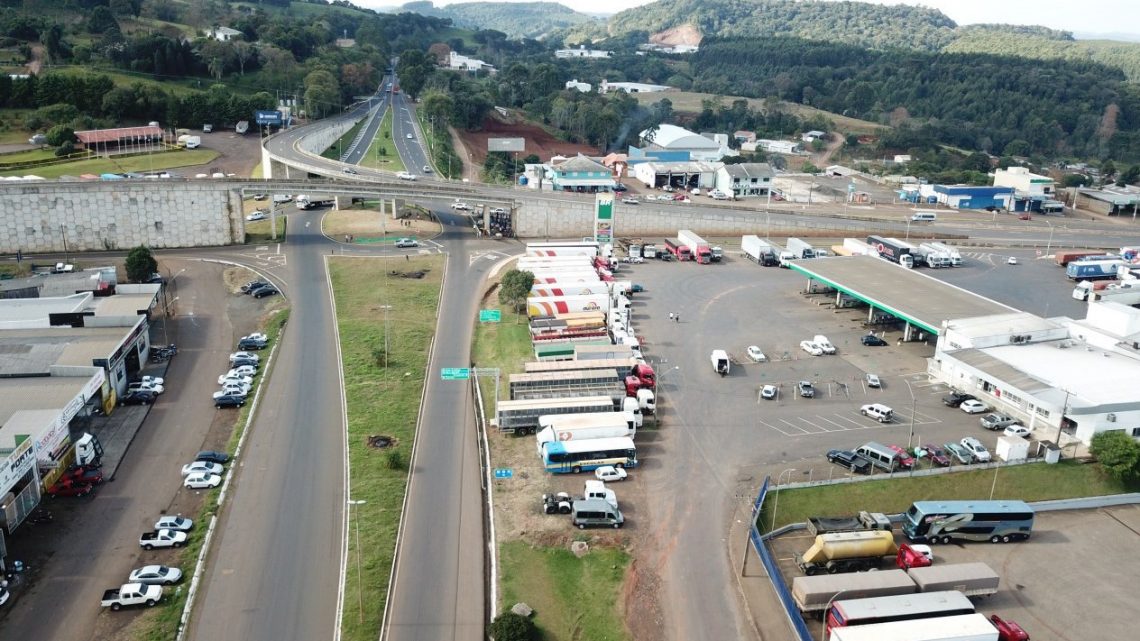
{"x":380,"y":101}
{"x":275,"y":570}
{"x":410,"y":149}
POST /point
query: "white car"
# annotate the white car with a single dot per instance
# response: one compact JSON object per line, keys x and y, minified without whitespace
{"x":498,"y":210}
{"x":203,"y":467}
{"x":977,"y":450}
{"x":152,"y":380}
{"x":1017,"y":430}
{"x":610,"y":474}
{"x":257,"y":215}
{"x":408,"y":136}
{"x":202,"y":481}
{"x":179,"y":523}
{"x":403,"y":175}
{"x":769,"y":392}
{"x":630,"y":200}
{"x":824,"y":344}
{"x":973,"y":406}
{"x":755,"y":354}
{"x":156,"y":575}
{"x":233,"y":388}
{"x":1012,"y":260}
{"x":234,"y":379}
{"x":407,"y":242}
{"x":811,"y":348}
{"x":242,"y":371}
{"x":457,"y":206}
{"x":245,"y":355}
{"x":717,"y":194}
{"x":148,"y":387}
{"x":873,"y":381}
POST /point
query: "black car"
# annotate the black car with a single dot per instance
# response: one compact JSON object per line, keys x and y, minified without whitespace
{"x":247,"y":344}
{"x":619,"y":188}
{"x":229,"y":400}
{"x":873,"y":341}
{"x":262,"y":292}
{"x":137,"y":397}
{"x":849,"y":460}
{"x":954,"y":399}
{"x":238,"y":362}
{"x":252,"y":285}
{"x":211,"y":456}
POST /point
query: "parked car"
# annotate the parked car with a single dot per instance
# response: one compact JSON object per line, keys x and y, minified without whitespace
{"x":230,"y":377}
{"x":609,"y":473}
{"x":873,"y":381}
{"x":636,"y":288}
{"x":199,"y":467}
{"x":84,"y":475}
{"x":138,"y":397}
{"x":954,"y":399}
{"x":906,"y":461}
{"x":150,"y":380}
{"x":154,"y":388}
{"x":936,"y":454}
{"x":849,"y":460}
{"x":996,"y":421}
{"x":619,"y":188}
{"x":973,"y":406}
{"x":1013,"y":259}
{"x":229,"y":400}
{"x":67,"y":487}
{"x":871,"y":340}
{"x":1016,"y":429}
{"x":811,"y":348}
{"x":202,"y":481}
{"x":233,"y":390}
{"x":630,"y":200}
{"x":960,"y":453}
{"x":156,"y":575}
{"x":262,"y":292}
{"x":977,"y":450}
{"x":755,"y":354}
{"x":805,"y":388}
{"x":407,"y":242}
{"x":251,"y":343}
{"x":243,"y":370}
{"x":244,"y":362}
{"x":253,"y":284}
{"x":498,"y":210}
{"x":249,"y":356}
{"x":261,"y":196}
{"x":769,"y":392}
{"x":212,"y":456}
{"x":177,"y":522}
{"x":257,"y":215}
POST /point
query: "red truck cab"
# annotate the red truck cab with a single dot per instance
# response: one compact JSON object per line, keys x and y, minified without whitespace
{"x":908,"y":558}
{"x":1008,"y":630}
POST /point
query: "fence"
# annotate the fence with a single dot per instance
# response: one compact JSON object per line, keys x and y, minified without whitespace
{"x":778,"y":584}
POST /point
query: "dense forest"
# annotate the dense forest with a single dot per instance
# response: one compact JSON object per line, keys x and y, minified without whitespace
{"x":516,"y":19}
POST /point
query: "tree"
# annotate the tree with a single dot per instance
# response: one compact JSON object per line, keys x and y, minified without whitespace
{"x":1118,"y":453}
{"x":243,"y":53}
{"x":60,"y":134}
{"x":515,"y":288}
{"x":509,"y":626}
{"x":322,"y":93}
{"x":809,"y":168}
{"x":140,"y":264}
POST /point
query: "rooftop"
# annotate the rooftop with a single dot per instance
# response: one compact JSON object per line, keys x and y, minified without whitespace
{"x":37,"y":393}
{"x":122,"y":133}
{"x":124,"y":304}
{"x":678,"y":138}
{"x":1009,"y":323}
{"x":28,"y":352}
{"x":750,"y":170}
{"x":1087,"y":375}
{"x":905,"y":293}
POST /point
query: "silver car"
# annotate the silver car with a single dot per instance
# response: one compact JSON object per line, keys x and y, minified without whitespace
{"x":156,"y":575}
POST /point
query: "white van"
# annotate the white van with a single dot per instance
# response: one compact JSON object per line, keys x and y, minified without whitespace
{"x":596,"y":513}
{"x":879,"y":412}
{"x":924,"y":217}
{"x":879,"y":455}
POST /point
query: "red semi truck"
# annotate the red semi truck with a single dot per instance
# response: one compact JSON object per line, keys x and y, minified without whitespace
{"x":679,"y":250}
{"x":697,"y":246}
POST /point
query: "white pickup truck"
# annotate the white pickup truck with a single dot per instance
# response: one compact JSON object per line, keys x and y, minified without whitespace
{"x":132,"y":594}
{"x":162,"y":539}
{"x":721,"y":364}
{"x":824,"y":344}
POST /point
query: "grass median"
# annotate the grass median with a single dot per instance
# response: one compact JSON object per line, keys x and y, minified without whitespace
{"x":537,"y":567}
{"x":1030,"y":482}
{"x":382,"y":390}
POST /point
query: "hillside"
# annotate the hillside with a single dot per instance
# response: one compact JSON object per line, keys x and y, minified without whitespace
{"x":1005,"y":41}
{"x":516,"y":19}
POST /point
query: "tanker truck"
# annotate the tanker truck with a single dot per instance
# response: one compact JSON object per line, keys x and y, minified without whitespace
{"x":847,"y":552}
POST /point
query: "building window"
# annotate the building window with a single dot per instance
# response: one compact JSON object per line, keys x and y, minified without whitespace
{"x":158,"y":225}
{"x":1012,"y":399}
{"x":1042,"y":412}
{"x":1136,"y":432}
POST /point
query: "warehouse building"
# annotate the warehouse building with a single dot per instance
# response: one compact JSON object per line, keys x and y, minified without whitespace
{"x":674,"y":138}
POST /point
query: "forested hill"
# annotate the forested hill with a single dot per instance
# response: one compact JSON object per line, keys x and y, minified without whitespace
{"x":516,"y":19}
{"x":1045,"y":44}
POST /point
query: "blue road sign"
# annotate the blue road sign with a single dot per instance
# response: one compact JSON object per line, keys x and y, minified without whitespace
{"x":504,"y":472}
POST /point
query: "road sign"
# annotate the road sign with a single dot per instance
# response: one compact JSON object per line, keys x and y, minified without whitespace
{"x":268,"y":117}
{"x":455,"y":373}
{"x":504,"y":472}
{"x":490,"y":316}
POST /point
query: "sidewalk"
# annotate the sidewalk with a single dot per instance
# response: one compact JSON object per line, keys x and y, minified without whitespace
{"x":117,"y":431}
{"x":762,"y":607}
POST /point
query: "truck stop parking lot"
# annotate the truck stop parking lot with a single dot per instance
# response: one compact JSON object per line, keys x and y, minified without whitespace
{"x":1063,"y":584}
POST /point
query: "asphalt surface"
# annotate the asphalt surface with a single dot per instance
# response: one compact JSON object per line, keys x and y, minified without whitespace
{"x":380,"y":102}
{"x":410,"y":149}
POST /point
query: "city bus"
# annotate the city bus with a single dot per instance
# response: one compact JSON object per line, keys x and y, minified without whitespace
{"x":560,"y":457}
{"x":945,"y":521}
{"x":903,"y":607}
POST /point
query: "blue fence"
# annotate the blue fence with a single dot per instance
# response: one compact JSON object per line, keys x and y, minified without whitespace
{"x":785,"y":595}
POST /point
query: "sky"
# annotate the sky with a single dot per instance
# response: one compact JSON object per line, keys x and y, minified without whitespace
{"x":1089,"y":16}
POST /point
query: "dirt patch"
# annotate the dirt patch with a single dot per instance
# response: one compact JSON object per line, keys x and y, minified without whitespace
{"x":685,"y":34}
{"x":538,"y":141}
{"x":239,"y":155}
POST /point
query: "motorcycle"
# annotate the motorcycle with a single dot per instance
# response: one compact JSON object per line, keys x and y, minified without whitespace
{"x":40,"y":517}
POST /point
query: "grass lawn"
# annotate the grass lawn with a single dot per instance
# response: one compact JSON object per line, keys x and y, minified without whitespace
{"x":31,"y":155}
{"x":337,"y":148}
{"x":382,"y":153}
{"x":572,"y":598}
{"x":1032,"y":482}
{"x":504,"y":345}
{"x":383,"y":398}
{"x":149,"y":162}
{"x":258,"y":231}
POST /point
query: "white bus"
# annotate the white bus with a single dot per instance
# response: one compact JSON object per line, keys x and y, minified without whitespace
{"x":561,"y":457}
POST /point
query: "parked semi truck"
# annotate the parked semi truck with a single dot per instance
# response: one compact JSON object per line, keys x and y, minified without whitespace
{"x":812,"y":594}
{"x":935,"y":256}
{"x":860,"y":522}
{"x":720,"y":363}
{"x":521,"y":417}
{"x":571,"y":383}
{"x":847,"y":552}
{"x":802,"y":249}
{"x":859,"y":248}
{"x":549,"y":305}
{"x":971,"y":579}
{"x":951,"y":251}
{"x":1094,"y":268}
{"x":1063,"y":258}
{"x":582,"y":427}
{"x":627,"y":366}
{"x":962,"y":627}
{"x":679,"y":250}
{"x":893,"y":250}
{"x":698,"y":248}
{"x":543,"y":290}
{"x":759,"y":250}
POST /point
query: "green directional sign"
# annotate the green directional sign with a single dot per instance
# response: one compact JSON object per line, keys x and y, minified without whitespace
{"x":490,"y":316}
{"x":455,"y":373}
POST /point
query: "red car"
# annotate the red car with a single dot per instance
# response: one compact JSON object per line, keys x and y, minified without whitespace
{"x":67,"y":487}
{"x":906,"y":461}
{"x":84,"y":475}
{"x":937,"y":455}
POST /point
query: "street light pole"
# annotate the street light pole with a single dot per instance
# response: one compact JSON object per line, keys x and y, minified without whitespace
{"x":913,"y":410}
{"x":1049,"y":246}
{"x":776,"y":501}
{"x":359,"y":590}
{"x":823,"y":624}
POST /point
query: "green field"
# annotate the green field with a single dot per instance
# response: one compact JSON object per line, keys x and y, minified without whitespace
{"x":505,"y":346}
{"x":258,"y":231}
{"x":382,"y":153}
{"x":383,"y":395}
{"x":144,"y":163}
{"x":1031,"y":482}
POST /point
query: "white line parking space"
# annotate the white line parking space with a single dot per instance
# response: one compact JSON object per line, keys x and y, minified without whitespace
{"x":826,"y":423}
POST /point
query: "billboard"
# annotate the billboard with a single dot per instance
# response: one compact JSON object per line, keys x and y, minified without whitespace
{"x":506,"y":144}
{"x":268,"y":117}
{"x":604,"y":218}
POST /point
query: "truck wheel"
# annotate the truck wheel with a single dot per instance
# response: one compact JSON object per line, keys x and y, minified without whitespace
{"x":116,"y":607}
{"x":810,"y":570}
{"x":148,"y":546}
{"x":1006,"y":539}
{"x":577,"y":469}
{"x":150,"y":603}
{"x":995,"y":539}
{"x":581,"y":526}
{"x":178,"y":545}
{"x":617,"y":525}
{"x":833,"y":569}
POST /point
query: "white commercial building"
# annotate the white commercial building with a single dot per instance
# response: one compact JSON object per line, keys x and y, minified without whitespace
{"x":674,"y":138}
{"x":584,"y":87}
{"x":745,"y":179}
{"x":774,"y":146}
{"x":631,"y":87}
{"x":463,"y":63}
{"x":1026,"y":183}
{"x":677,"y":175}
{"x":582,"y":52}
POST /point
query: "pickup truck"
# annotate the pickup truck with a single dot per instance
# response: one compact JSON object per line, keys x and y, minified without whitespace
{"x":132,"y":594}
{"x":162,"y":539}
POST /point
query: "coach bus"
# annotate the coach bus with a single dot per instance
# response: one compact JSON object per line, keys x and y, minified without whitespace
{"x":945,"y":521}
{"x":903,"y":607}
{"x":560,"y":457}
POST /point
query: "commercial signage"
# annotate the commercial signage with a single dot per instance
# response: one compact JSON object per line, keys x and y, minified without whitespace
{"x":268,"y":117}
{"x":16,"y":465}
{"x":604,"y":218}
